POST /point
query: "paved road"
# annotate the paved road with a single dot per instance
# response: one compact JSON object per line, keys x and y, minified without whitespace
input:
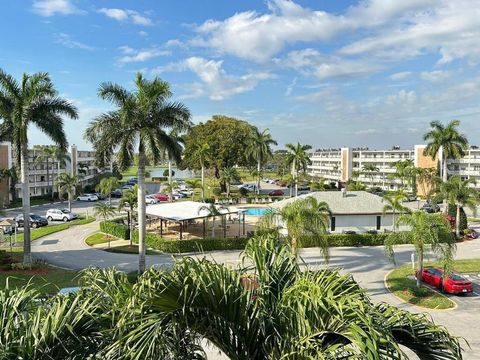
{"x":368,"y":265}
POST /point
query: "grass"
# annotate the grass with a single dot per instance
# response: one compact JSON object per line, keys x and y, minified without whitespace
{"x":97,"y":238}
{"x":18,"y":202}
{"x":473,"y":219}
{"x":47,"y":230}
{"x":130,"y":249}
{"x":401,"y":283}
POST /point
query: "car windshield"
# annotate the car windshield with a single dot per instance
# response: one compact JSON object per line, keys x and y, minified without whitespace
{"x":456,"y":277}
{"x":35,"y":217}
{"x":65,"y":211}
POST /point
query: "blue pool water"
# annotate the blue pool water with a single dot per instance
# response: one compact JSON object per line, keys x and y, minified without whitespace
{"x":257,"y":211}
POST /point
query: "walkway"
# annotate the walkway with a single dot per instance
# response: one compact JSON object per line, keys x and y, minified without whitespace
{"x":368,"y":265}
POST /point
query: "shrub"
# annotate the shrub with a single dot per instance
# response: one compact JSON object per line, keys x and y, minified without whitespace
{"x":217,"y":191}
{"x":243,"y":191}
{"x":452,"y":211}
{"x":116,"y":229}
{"x":355,"y":240}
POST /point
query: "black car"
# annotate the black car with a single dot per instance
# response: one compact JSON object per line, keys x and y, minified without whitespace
{"x":117,"y":193}
{"x":35,"y":221}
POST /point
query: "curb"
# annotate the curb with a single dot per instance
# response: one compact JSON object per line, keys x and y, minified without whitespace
{"x":455,"y":305}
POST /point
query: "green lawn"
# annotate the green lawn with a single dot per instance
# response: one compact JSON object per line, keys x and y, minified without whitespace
{"x":130,"y":249}
{"x":47,"y":230}
{"x":97,"y":238}
{"x":18,"y":202}
{"x":401,"y":283}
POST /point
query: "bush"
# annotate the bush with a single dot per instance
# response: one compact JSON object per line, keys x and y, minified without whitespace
{"x":243,"y":191}
{"x":355,"y":240}
{"x":116,"y":229}
{"x":217,"y":191}
{"x":452,"y":211}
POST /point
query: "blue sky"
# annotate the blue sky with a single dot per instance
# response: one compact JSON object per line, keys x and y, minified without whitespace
{"x":327,"y":73}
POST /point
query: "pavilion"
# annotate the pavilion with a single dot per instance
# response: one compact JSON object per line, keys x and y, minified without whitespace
{"x":184,"y":213}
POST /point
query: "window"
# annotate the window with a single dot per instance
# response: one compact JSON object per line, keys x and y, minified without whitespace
{"x":332,"y":224}
{"x":379,"y":222}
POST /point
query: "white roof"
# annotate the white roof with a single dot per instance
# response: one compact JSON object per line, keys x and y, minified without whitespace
{"x":353,"y":203}
{"x":185,"y":210}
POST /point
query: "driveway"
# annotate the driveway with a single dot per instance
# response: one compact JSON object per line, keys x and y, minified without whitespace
{"x":367,"y":264}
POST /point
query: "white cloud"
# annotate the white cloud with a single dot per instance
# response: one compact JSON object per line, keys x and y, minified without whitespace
{"x":130,"y":55}
{"x":127,"y":15}
{"x":402,"y":98}
{"x":367,"y":131}
{"x":143,"y":33}
{"x":400,"y":75}
{"x":66,"y":40}
{"x":53,"y":7}
{"x":290,"y":87}
{"x":435,"y":76}
{"x":214,"y":83}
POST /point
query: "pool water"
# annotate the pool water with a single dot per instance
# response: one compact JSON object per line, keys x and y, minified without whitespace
{"x":257,"y":211}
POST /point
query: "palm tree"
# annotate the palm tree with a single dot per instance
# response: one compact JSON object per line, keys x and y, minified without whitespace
{"x":66,"y":183}
{"x":393,"y":202}
{"x":202,"y":153}
{"x":178,"y":142}
{"x":318,"y":185}
{"x":194,"y":184}
{"x":405,"y":172}
{"x":212,"y":212}
{"x":427,"y":231}
{"x":61,"y":157}
{"x":129,"y":202}
{"x":45,"y":154}
{"x":34,"y":100}
{"x":306,"y":221}
{"x":297,"y":159}
{"x":11,"y":175}
{"x":259,"y":149}
{"x":371,"y":169}
{"x":227,"y":176}
{"x":460,"y":193}
{"x":106,"y":186}
{"x":356,"y":186}
{"x":142,"y":120}
{"x":105,"y":211}
{"x":427,"y":180}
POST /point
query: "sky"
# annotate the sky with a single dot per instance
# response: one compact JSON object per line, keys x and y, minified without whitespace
{"x":369,"y":73}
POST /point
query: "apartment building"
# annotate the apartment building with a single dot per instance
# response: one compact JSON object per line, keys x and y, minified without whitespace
{"x":350,"y":163}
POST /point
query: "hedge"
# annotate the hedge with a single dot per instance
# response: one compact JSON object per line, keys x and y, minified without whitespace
{"x":115,"y":228}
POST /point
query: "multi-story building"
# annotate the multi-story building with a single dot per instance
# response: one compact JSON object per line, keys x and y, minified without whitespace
{"x":372,"y":167}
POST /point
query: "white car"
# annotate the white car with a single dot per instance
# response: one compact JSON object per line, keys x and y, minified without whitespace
{"x":60,"y":215}
{"x":87,"y":197}
{"x":150,"y":200}
{"x":186,"y":192}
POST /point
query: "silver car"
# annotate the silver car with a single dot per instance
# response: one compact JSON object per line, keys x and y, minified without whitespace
{"x":60,"y":215}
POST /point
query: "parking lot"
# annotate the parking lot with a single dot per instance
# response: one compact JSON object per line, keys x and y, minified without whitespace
{"x":469,"y":301}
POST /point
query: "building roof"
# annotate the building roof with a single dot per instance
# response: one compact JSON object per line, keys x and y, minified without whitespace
{"x":352,"y":203}
{"x":185,"y":210}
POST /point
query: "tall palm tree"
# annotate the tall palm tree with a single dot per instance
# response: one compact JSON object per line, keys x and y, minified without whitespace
{"x":105,"y":211}
{"x":227,"y":176}
{"x":371,"y":170}
{"x":427,"y":180}
{"x":33,"y":100}
{"x":405,"y":172}
{"x":427,"y":231}
{"x":178,"y":142}
{"x":67,"y":183}
{"x":305,"y":222}
{"x":259,"y":149}
{"x":297,"y":159}
{"x":61,"y":157}
{"x":194,"y":184}
{"x":46,"y":154}
{"x":142,"y":121}
{"x":460,"y":193}
{"x":129,"y":202}
{"x":106,"y":186}
{"x":212,"y":212}
{"x":393,"y":202}
{"x":202,"y":153}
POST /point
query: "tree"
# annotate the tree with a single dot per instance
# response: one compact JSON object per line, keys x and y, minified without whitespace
{"x":212,"y":212}
{"x":66,"y":183}
{"x":12,"y":176}
{"x":194,"y":184}
{"x":297,"y":160}
{"x":356,"y":186}
{"x":259,"y":149}
{"x":306,"y":221}
{"x":105,"y":211}
{"x":427,"y":180}
{"x":447,"y":140}
{"x":129,"y":202}
{"x":405,"y":172}
{"x":393,"y":202}
{"x":107,"y":185}
{"x":33,"y":100}
{"x":427,"y":231}
{"x":201,"y":152}
{"x":371,"y":170}
{"x":460,"y":193}
{"x":227,"y":176}
{"x":60,"y":156}
{"x":45,"y":154}
{"x":141,"y":121}
{"x":318,"y":185}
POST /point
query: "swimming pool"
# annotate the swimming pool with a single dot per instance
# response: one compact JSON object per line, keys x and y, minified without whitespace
{"x":257,"y":211}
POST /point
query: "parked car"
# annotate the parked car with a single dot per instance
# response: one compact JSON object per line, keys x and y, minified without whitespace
{"x":160,"y":197}
{"x":127,"y":187}
{"x":453,"y":284}
{"x":87,"y":197}
{"x":117,"y":193}
{"x":276,"y":193}
{"x":150,"y":200}
{"x":471,"y":234}
{"x":349,"y":232}
{"x":430,"y":208}
{"x":60,"y":215}
{"x":100,"y":196}
{"x":186,"y":192}
{"x":178,"y":195}
{"x":35,"y":221}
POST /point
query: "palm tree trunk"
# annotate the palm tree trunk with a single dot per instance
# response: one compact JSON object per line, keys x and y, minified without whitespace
{"x":48,"y":178}
{"x":27,"y":250}
{"x":258,"y":177}
{"x":420,"y":268}
{"x":203,"y":182}
{"x":170,"y":179}
{"x":129,"y":220}
{"x":110,"y":199}
{"x":213,"y":227}
{"x":394,"y":225}
{"x":445,"y":179}
{"x":70,"y":200}
{"x":142,"y":229}
{"x":457,"y":221}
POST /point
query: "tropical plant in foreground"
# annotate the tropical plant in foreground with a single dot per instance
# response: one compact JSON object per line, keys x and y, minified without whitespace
{"x":107,"y":185}
{"x":66,"y":183}
{"x":268,"y":309}
{"x":141,"y":123}
{"x":394,"y":204}
{"x":105,"y":211}
{"x":31,"y":101}
{"x":259,"y":149}
{"x":298,"y":160}
{"x":427,"y":232}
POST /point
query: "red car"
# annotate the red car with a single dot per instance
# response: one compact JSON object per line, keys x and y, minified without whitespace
{"x":160,"y":197}
{"x":276,"y":193}
{"x":453,"y":284}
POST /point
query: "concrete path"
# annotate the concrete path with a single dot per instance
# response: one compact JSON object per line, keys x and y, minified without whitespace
{"x":367,"y":264}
